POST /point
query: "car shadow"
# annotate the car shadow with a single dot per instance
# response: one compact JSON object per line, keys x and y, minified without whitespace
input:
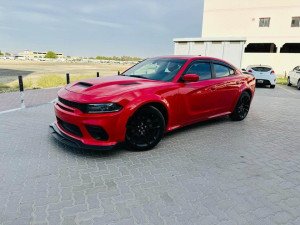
{"x":121,"y":148}
{"x":88,"y":153}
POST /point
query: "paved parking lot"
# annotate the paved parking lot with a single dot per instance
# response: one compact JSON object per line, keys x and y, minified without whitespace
{"x":12,"y":100}
{"x":215,"y":172}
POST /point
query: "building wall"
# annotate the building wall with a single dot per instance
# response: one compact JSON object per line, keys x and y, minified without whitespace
{"x":230,"y":50}
{"x":35,"y":54}
{"x":240,"y":18}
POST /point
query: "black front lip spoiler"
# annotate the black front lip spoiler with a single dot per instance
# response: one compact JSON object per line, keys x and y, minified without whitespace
{"x":72,"y":142}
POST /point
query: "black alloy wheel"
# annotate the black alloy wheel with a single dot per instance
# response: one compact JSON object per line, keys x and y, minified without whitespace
{"x":289,"y":82}
{"x":298,"y":85}
{"x":272,"y":86}
{"x":145,"y":128}
{"x":242,"y":107}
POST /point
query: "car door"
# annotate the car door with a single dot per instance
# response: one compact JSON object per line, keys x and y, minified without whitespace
{"x":293,"y":75}
{"x":227,"y":84}
{"x":197,"y":100}
{"x":296,"y":75}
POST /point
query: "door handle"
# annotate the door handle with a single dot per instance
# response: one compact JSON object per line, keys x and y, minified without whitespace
{"x":237,"y":82}
{"x":213,"y":89}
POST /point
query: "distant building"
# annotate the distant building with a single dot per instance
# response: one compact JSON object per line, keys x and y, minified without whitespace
{"x":271,"y":30}
{"x":36,"y":55}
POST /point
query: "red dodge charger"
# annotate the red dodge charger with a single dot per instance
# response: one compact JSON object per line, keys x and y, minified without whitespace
{"x":149,"y":99}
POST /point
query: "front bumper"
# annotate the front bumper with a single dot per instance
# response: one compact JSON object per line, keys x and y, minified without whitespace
{"x":72,"y":142}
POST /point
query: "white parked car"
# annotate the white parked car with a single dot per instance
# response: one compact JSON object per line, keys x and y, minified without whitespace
{"x":294,"y":77}
{"x":264,"y":75}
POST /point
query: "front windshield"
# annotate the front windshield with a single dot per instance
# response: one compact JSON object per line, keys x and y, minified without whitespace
{"x":162,"y":69}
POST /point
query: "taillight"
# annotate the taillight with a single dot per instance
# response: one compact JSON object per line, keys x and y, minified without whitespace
{"x":249,"y":71}
{"x":272,"y":72}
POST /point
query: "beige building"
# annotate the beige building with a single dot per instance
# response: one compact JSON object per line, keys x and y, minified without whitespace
{"x":35,"y":54}
{"x":271,"y":30}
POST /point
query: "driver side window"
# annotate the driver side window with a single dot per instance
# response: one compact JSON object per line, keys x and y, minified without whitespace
{"x":202,"y":69}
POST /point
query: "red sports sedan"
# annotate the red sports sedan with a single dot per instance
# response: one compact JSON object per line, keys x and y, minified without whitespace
{"x":149,"y":99}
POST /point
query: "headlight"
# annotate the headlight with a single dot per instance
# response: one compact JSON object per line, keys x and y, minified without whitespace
{"x":103,"y":108}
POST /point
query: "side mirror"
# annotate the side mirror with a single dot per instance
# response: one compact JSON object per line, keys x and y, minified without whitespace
{"x":191,"y":78}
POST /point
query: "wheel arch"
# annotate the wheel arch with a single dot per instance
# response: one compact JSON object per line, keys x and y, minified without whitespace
{"x":243,"y":89}
{"x":158,"y":105}
{"x":248,"y":91}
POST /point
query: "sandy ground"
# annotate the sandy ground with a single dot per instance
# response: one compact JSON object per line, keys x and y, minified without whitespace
{"x":11,"y":69}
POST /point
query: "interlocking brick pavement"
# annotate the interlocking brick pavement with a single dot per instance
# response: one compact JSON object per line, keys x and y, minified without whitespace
{"x":214,"y":172}
{"x":12,"y":100}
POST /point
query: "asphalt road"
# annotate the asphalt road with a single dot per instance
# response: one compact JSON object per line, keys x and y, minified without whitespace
{"x":214,"y":172}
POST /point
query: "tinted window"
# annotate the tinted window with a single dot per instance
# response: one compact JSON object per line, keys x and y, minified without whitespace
{"x":221,"y":71}
{"x":201,"y":69}
{"x":231,"y":71}
{"x":261,"y":69}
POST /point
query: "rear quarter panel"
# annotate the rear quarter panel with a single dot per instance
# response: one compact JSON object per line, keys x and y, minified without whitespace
{"x":247,"y":83}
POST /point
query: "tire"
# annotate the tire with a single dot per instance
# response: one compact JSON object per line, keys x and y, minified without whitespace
{"x":298,"y":85}
{"x":145,"y":128}
{"x":289,"y":82}
{"x":272,"y":86}
{"x":242,"y":107}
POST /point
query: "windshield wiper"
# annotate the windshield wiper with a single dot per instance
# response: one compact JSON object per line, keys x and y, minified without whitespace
{"x":138,"y":76}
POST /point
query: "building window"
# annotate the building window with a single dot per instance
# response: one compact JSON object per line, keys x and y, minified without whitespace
{"x":296,"y":22}
{"x":264,"y":22}
{"x":290,"y":48}
{"x":261,"y":47}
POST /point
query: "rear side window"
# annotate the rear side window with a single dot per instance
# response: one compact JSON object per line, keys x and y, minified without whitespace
{"x":202,"y":69}
{"x":222,"y":71}
{"x":261,"y":69}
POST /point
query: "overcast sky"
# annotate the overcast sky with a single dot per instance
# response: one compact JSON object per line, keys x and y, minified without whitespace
{"x":98,"y":27}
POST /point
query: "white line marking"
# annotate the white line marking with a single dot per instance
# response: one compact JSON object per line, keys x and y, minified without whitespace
{"x":286,"y":89}
{"x":53,"y":101}
{"x":11,"y":110}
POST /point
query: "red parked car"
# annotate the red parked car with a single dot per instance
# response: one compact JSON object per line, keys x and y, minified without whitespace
{"x":149,"y":99}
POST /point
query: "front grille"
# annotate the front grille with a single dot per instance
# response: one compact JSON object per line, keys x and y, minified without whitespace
{"x":81,"y":106}
{"x":70,"y":128}
{"x":97,"y":132}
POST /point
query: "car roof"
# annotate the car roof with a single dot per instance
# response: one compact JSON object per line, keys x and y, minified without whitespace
{"x":191,"y":57}
{"x":260,"y":66}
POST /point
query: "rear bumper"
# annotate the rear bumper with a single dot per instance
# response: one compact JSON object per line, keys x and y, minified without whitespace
{"x":72,"y":142}
{"x":264,"y":80}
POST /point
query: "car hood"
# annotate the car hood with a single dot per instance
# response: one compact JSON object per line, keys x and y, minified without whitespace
{"x":111,"y":85}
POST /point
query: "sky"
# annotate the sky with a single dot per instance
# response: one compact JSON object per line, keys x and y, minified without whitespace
{"x":141,"y":28}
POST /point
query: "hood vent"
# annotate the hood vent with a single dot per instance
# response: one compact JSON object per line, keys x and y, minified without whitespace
{"x":129,"y":83}
{"x":85,"y":85}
